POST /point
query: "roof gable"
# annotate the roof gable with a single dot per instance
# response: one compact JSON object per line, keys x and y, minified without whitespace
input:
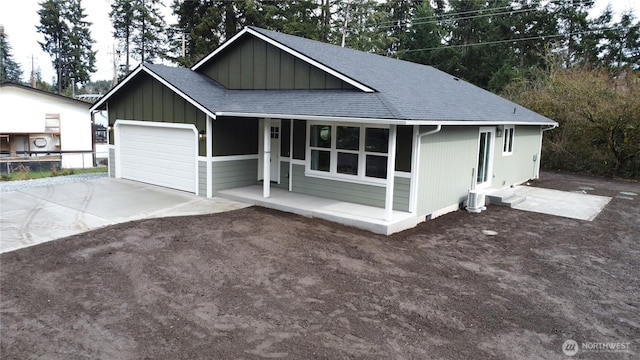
{"x":250,"y":63}
{"x":197,"y":89}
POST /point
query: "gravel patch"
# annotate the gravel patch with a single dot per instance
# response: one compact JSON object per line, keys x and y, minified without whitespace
{"x":19,"y":185}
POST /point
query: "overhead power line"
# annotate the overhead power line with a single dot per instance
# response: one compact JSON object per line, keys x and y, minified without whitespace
{"x":453,"y":16}
{"x":539,"y":37}
{"x":454,"y":19}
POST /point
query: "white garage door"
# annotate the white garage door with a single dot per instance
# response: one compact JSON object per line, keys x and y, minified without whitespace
{"x":158,"y":155}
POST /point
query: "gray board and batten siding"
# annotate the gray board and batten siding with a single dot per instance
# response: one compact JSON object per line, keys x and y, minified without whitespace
{"x":521,"y":165}
{"x":252,"y":64}
{"x":449,"y":157}
{"x":146,"y":99}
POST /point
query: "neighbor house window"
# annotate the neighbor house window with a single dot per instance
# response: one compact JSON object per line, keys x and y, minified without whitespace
{"x":507,"y":146}
{"x":52,"y":123}
{"x":348,"y":151}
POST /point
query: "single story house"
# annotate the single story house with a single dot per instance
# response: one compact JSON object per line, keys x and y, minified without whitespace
{"x":39,"y":126}
{"x":391,"y":141}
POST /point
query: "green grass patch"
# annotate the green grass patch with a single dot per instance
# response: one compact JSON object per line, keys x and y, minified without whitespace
{"x":26,"y":174}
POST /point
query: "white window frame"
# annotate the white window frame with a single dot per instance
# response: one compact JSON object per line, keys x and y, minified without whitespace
{"x":333,"y":174}
{"x":508,"y":136}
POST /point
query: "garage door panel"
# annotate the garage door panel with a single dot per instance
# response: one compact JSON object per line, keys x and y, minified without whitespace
{"x":143,"y":142}
{"x":140,"y":155}
{"x":158,"y":155}
{"x":157,"y":167}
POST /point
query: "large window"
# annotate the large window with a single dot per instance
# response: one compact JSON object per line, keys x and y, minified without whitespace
{"x":348,"y":151}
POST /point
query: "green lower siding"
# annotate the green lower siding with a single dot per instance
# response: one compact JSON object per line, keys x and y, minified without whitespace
{"x":202,"y":178}
{"x":401,"y":191}
{"x":233,"y":174}
{"x":284,"y":176}
{"x":349,"y":192}
{"x":112,"y":162}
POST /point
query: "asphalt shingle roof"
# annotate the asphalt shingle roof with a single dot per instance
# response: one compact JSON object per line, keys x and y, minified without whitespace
{"x":202,"y":89}
{"x":413,"y":91}
{"x":403,"y":90}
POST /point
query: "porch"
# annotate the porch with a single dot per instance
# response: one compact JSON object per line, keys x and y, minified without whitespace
{"x":361,"y":216}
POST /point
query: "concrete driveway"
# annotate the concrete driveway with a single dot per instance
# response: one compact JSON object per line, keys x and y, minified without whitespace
{"x":32,"y":216}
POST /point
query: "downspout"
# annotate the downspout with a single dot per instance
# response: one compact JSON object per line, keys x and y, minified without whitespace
{"x":430,"y":132}
{"x":536,"y":174}
{"x":93,"y":139}
{"x":413,"y":199}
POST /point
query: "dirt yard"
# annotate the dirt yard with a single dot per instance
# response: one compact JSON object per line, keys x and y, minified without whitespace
{"x":257,"y":283}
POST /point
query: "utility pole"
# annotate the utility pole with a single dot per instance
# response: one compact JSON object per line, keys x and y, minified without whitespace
{"x":184,"y":45}
{"x":144,"y":30}
{"x":33,"y":73}
{"x":115,"y":67}
{"x":346,"y":22}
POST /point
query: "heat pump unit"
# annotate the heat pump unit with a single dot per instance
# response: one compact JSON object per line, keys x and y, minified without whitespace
{"x":475,"y":201}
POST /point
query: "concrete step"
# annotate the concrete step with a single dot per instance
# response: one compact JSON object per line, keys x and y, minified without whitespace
{"x":513,"y":200}
{"x":504,"y":197}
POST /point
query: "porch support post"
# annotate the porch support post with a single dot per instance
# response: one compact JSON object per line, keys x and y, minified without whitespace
{"x":415,"y":155}
{"x":266,"y":161}
{"x":291,"y":155}
{"x":209,"y":154}
{"x":391,"y":169}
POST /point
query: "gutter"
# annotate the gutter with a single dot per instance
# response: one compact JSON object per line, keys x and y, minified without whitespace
{"x":430,"y":132}
{"x":383,"y":121}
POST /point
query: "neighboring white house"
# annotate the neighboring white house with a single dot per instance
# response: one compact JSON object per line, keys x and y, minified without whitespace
{"x":37,"y":125}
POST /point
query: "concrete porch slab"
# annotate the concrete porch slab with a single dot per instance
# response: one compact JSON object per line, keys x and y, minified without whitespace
{"x":555,"y":202}
{"x":361,"y":216}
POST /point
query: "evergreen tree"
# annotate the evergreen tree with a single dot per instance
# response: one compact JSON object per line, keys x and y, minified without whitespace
{"x":472,"y":29}
{"x":622,"y":46}
{"x":55,"y":31}
{"x":577,"y":30}
{"x":121,"y":15}
{"x":206,"y":23}
{"x":425,"y":35}
{"x":197,"y":29}
{"x":363,"y":30}
{"x":140,"y":29}
{"x":398,"y":23}
{"x":150,"y":38}
{"x":68,"y":40}
{"x":9,"y":70}
{"x":81,"y":58}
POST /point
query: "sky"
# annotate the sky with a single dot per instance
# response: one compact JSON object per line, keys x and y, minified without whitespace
{"x":20,"y":18}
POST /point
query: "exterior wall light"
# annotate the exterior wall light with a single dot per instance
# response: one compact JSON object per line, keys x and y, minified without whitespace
{"x":498,"y":131}
{"x":201,"y":135}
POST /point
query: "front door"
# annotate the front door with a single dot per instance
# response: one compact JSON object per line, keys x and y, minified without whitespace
{"x":275,"y":151}
{"x":484,"y":171}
